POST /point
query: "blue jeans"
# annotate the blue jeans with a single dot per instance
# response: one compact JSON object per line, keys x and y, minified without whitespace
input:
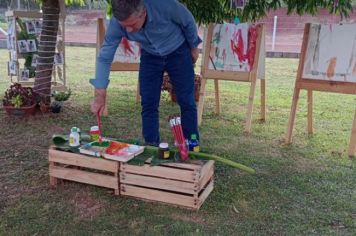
{"x":179,"y":67}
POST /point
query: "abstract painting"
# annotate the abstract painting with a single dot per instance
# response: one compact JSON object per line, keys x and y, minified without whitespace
{"x":331,"y":53}
{"x":233,"y":47}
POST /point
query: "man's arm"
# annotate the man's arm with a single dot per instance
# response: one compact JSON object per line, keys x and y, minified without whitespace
{"x":183,"y":17}
{"x":112,"y":39}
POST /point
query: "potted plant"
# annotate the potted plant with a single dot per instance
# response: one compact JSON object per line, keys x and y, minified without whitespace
{"x":19,"y":100}
{"x":59,"y":98}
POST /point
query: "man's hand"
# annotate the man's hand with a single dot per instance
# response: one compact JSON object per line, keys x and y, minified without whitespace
{"x":98,"y":103}
{"x":195,"y":54}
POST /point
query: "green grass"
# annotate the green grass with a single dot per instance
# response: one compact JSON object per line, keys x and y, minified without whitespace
{"x":302,"y":189}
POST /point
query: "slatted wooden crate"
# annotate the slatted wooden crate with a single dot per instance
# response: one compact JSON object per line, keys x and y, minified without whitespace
{"x":83,"y":169}
{"x":180,"y":184}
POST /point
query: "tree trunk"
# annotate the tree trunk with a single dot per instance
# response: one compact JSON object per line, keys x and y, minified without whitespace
{"x":46,"y":50}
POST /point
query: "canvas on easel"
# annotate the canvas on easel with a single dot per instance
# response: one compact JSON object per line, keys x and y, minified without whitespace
{"x":235,"y":53}
{"x":327,"y":63}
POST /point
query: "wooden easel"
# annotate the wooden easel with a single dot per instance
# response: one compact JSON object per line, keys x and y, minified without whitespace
{"x":115,"y":66}
{"x":251,"y":77}
{"x":316,"y":85}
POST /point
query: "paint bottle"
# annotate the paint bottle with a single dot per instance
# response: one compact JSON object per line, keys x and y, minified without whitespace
{"x":94,"y":133}
{"x":74,"y":137}
{"x":194,"y":143}
{"x":163,"y":151}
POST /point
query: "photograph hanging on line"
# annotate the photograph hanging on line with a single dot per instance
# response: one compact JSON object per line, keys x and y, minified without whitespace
{"x":22,"y":46}
{"x":34,"y":60}
{"x":58,"y":58}
{"x":12,"y":67}
{"x":24,"y":74}
{"x":38,"y":26}
{"x":30,"y":27}
{"x":31,"y":45}
{"x":13,"y":55}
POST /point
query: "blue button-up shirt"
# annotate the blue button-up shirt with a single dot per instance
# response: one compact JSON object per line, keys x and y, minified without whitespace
{"x":168,"y":25}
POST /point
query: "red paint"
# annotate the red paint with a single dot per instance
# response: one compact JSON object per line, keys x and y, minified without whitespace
{"x":251,"y":50}
{"x":126,"y":46}
{"x":237,"y":45}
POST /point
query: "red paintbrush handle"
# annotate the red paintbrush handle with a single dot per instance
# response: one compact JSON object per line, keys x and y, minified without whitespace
{"x":99,"y":124}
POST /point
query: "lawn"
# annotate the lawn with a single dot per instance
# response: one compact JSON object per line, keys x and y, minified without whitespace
{"x":306,"y":188}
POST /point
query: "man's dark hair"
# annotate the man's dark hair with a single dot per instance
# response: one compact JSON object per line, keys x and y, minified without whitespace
{"x":123,"y":9}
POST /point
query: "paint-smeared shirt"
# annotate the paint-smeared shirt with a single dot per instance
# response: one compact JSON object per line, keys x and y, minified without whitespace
{"x":168,"y":25}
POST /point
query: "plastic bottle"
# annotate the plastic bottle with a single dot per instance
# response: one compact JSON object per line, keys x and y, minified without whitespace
{"x":194,"y":143}
{"x":74,"y":137}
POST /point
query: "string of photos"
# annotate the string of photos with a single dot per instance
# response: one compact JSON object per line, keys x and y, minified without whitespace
{"x":22,"y":43}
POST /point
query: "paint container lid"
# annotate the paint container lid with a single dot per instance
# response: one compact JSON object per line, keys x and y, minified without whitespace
{"x":163,"y":145}
{"x":74,"y":129}
{"x":94,"y":128}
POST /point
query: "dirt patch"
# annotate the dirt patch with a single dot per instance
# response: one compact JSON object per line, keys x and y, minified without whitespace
{"x":86,"y":205}
{"x":189,"y":218}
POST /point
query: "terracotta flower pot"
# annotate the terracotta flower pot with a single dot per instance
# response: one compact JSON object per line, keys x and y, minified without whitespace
{"x":21,"y":111}
{"x":45,"y":108}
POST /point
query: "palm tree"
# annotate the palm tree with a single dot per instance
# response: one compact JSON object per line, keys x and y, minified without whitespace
{"x":47,"y":46}
{"x":46,"y":49}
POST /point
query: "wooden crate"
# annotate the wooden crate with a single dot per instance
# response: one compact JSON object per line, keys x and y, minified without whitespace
{"x":83,"y":169}
{"x":180,"y":184}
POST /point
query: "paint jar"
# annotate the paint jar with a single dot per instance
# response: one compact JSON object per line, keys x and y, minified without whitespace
{"x":74,"y":137}
{"x":163,"y":151}
{"x":194,"y":144}
{"x":94,"y":133}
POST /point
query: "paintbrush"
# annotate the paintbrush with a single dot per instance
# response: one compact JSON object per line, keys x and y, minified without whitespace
{"x":99,"y":125}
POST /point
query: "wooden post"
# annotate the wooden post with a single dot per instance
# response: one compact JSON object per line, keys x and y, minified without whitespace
{"x":352,"y":146}
{"x":217,"y":96}
{"x":292,"y":115}
{"x":52,"y":180}
{"x":310,"y":112}
{"x":201,"y":100}
{"x":261,"y":74}
{"x":204,"y":67}
{"x":250,"y":105}
{"x":263,"y":99}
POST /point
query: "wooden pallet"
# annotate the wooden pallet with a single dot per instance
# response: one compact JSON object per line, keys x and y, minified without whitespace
{"x":83,"y":169}
{"x":180,"y":184}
